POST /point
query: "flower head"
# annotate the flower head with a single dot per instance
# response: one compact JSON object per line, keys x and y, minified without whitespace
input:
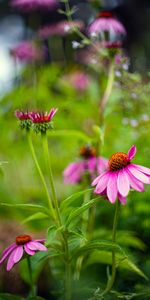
{"x":24,"y":119}
{"x":88,"y":163}
{"x":23,"y":244}
{"x":27,"y":52}
{"x":31,"y":5}
{"x":79,"y":80}
{"x":61,"y":28}
{"x":42,"y":121}
{"x":106,"y":23}
{"x":121,"y":176}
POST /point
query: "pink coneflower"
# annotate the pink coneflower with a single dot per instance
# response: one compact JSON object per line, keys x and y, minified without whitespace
{"x":30,"y":5}
{"x":78,"y":80}
{"x":23,"y":244}
{"x":121,"y":176}
{"x":61,"y":28}
{"x":89,"y":164}
{"x":24,"y":119}
{"x":106,"y":22}
{"x":42,"y":121}
{"x":27,"y":52}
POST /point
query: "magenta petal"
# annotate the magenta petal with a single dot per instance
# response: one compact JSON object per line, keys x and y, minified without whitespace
{"x":103,"y":180}
{"x":135,"y":183}
{"x":122,"y":199}
{"x":112,"y":188}
{"x":132,"y":152}
{"x":7,"y":251}
{"x":18,"y":253}
{"x":142,"y":169}
{"x":96,"y":180}
{"x":137,"y":174}
{"x":123,"y":183}
{"x":28,"y":251}
{"x":10,"y":262}
{"x":33,"y":245}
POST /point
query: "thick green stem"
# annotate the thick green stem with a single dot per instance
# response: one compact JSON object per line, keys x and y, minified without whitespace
{"x":48,"y":164}
{"x":41,"y":175}
{"x":67,"y":272}
{"x":111,"y":279}
{"x":32,"y":286}
{"x":107,"y":91}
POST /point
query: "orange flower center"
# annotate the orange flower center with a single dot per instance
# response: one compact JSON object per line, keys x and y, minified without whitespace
{"x":23,"y":239}
{"x":118,"y":161}
{"x":87,"y":152}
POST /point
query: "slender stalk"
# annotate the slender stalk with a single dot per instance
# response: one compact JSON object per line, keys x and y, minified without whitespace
{"x":41,"y":175}
{"x":107,"y":91}
{"x":111,"y":278}
{"x":48,"y":164}
{"x":67,"y":272}
{"x":32,"y":286}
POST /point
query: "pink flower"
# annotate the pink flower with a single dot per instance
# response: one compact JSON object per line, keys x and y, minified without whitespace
{"x":42,"y":121}
{"x":42,"y":117}
{"x":106,"y":23}
{"x":23,"y":244}
{"x":24,"y":119}
{"x":78,"y":80}
{"x":89,"y":163}
{"x":61,"y":28}
{"x":29,"y":5}
{"x":121,"y":177}
{"x":26,"y":51}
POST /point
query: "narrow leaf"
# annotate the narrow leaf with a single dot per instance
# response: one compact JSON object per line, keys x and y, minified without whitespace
{"x":36,"y":216}
{"x":72,"y":199}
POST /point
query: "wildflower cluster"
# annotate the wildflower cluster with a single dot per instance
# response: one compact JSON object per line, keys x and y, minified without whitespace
{"x":40,"y":122}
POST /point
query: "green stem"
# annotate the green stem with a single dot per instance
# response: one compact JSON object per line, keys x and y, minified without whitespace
{"x":67,"y":272}
{"x":32,"y":286}
{"x":111,"y":278}
{"x":48,"y":164}
{"x":41,"y":175}
{"x":107,"y":91}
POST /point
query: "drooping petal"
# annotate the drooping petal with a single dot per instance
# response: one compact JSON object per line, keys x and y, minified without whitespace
{"x":132,"y":152}
{"x":18,"y":253}
{"x":102,"y":183}
{"x":112,"y":188}
{"x":123,"y":183}
{"x":10,"y":262}
{"x":142,"y":169}
{"x":28,"y":251}
{"x":137,"y":174}
{"x":135,"y":183}
{"x":33,"y":245}
{"x":122,"y":199}
{"x":72,"y":174}
{"x":7,"y":251}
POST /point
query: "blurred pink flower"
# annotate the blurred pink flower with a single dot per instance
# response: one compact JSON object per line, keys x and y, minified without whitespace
{"x":106,"y":23}
{"x":78,"y":80}
{"x":26,"y":51}
{"x":121,"y":176}
{"x":61,"y":28}
{"x":23,"y":244}
{"x":24,"y":119}
{"x":89,"y":163}
{"x":29,"y":5}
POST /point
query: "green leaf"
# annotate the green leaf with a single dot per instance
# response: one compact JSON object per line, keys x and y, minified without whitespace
{"x":71,"y":200}
{"x":30,"y":207}
{"x":36,"y":216}
{"x":70,"y":133}
{"x":9,"y":297}
{"x":98,"y":245}
{"x":77,"y":212}
{"x":122,"y":261}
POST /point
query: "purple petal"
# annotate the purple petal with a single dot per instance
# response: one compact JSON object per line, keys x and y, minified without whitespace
{"x":18,"y":253}
{"x":52,"y":113}
{"x":137,"y":174}
{"x":33,"y":245}
{"x":123,"y":183}
{"x":10,"y":262}
{"x":122,"y":199}
{"x":142,"y":169}
{"x":102,"y":183}
{"x":132,"y":152}
{"x":7,"y":251}
{"x":112,"y":188}
{"x":28,"y":251}
{"x":135,"y":183}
